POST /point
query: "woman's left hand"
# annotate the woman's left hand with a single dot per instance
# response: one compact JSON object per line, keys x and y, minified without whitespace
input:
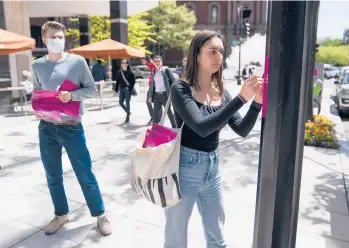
{"x":259,"y":95}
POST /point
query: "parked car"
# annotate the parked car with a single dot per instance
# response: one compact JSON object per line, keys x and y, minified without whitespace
{"x":332,"y":72}
{"x":174,"y":73}
{"x":141,"y":71}
{"x":342,"y":94}
{"x":344,"y":70}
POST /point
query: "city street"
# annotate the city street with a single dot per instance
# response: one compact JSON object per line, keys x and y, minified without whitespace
{"x":26,"y":207}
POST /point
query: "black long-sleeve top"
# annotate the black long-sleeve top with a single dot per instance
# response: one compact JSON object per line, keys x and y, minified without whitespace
{"x":120,"y":81}
{"x":203,"y":123}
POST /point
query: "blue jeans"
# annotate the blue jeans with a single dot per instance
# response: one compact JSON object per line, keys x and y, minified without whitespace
{"x":52,"y":139}
{"x":125,"y":95}
{"x":200,"y":182}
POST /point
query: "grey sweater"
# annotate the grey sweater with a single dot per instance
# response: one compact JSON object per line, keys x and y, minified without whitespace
{"x":49,"y":75}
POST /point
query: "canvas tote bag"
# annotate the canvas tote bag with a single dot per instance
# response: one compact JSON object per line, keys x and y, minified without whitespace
{"x":154,"y":170}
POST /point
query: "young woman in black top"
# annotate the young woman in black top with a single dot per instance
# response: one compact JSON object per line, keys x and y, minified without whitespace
{"x":205,"y":107}
{"x":125,"y":74}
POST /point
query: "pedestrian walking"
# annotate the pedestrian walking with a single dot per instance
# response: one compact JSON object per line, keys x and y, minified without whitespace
{"x":125,"y":81}
{"x":201,"y":102}
{"x":99,"y":74}
{"x":160,"y":89}
{"x":49,"y":72}
{"x":152,"y":68}
{"x":180,"y":70}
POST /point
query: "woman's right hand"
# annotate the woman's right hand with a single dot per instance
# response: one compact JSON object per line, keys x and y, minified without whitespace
{"x":250,"y":87}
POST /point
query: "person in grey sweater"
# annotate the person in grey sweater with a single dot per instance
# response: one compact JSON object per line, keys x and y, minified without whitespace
{"x":48,"y":73}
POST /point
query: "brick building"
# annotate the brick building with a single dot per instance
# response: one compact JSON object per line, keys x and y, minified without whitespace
{"x":220,"y":15}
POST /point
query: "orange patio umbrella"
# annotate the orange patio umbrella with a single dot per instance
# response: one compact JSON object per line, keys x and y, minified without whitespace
{"x":108,"y":48}
{"x":12,"y":42}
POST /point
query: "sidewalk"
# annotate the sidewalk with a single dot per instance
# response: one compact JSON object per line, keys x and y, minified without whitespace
{"x":26,"y":205}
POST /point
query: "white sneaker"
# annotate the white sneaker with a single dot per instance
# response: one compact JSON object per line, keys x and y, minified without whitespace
{"x":55,"y":224}
{"x":104,"y":225}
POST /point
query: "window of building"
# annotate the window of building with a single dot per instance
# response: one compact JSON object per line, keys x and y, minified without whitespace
{"x":35,"y":33}
{"x":214,"y":13}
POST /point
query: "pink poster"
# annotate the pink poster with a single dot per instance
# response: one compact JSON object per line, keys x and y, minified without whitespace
{"x":265,"y":86}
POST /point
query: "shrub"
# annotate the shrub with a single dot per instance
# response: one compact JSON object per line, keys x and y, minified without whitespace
{"x":320,"y":133}
{"x":338,"y":55}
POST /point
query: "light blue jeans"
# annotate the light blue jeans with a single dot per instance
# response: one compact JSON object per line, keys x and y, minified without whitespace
{"x":200,"y":182}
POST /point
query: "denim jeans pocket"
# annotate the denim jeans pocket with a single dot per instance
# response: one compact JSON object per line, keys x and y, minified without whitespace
{"x":42,"y":125}
{"x":187,"y":160}
{"x":78,"y":127}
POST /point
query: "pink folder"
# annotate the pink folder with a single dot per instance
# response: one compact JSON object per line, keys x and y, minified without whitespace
{"x":154,"y":139}
{"x":46,"y":100}
{"x":71,"y":108}
{"x":47,"y":103}
{"x":164,"y":130}
{"x":51,"y":115}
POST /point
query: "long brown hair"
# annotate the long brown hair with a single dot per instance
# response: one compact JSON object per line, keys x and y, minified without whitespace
{"x":192,"y":67}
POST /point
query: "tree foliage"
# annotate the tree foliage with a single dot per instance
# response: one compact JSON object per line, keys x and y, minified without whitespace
{"x":337,"y":55}
{"x":174,"y":24}
{"x":346,"y":36}
{"x":328,"y":41}
{"x":138,"y":30}
{"x":99,"y":29}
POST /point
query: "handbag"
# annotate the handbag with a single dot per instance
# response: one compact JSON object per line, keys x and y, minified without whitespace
{"x":154,"y":170}
{"x":133,"y":92}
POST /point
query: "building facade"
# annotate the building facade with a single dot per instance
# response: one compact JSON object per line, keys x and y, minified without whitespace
{"x":221,"y":15}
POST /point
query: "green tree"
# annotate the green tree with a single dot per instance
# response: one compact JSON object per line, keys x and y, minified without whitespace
{"x":99,"y":29}
{"x":140,"y":31}
{"x":174,"y":25}
{"x":74,"y":31}
{"x":328,"y":41}
{"x":338,"y":55}
{"x":346,"y":36}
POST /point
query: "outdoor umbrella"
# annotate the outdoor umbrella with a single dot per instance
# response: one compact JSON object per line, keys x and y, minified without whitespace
{"x":109,"y":49}
{"x":12,"y":42}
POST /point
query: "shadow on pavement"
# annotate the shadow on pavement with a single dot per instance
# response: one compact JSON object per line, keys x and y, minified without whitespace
{"x":327,"y":207}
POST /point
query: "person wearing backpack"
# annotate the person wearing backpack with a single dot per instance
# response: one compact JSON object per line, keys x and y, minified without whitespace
{"x":162,"y":80}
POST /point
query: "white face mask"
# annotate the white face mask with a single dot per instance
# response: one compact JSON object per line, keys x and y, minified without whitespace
{"x":55,"y":45}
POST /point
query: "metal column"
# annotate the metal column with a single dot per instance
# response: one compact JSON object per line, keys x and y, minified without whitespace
{"x":118,"y":27}
{"x":265,"y":93}
{"x":282,"y":153}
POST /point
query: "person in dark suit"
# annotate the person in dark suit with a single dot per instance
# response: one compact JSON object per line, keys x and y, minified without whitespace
{"x":160,"y":89}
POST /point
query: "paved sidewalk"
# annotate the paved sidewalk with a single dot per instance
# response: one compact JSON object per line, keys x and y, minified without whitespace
{"x":26,"y":205}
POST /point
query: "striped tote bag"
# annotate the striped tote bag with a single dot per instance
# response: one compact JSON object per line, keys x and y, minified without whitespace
{"x":154,"y":170}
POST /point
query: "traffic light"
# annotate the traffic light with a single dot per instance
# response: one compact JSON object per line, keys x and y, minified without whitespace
{"x":246,"y":30}
{"x":246,"y":13}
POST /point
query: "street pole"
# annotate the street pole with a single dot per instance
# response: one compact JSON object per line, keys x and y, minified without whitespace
{"x":264,"y":107}
{"x":239,"y":40}
{"x":283,"y":140}
{"x":311,"y":59}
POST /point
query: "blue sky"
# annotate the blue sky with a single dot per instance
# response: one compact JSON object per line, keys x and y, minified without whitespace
{"x":333,"y":18}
